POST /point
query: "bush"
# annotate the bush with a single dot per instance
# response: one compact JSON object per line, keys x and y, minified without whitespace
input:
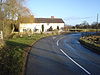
{"x":50,"y":29}
{"x":11,"y":61}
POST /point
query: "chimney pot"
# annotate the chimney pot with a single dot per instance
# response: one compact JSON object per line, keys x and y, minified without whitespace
{"x":52,"y":17}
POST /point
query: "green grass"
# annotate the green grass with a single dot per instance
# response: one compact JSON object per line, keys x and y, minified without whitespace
{"x":25,"y":41}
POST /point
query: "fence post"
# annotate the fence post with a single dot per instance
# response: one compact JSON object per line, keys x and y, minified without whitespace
{"x":1,"y":35}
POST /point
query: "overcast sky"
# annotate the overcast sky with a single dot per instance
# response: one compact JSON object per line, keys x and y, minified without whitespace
{"x":72,"y":11}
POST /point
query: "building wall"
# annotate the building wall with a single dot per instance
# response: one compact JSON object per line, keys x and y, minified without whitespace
{"x":26,"y":27}
{"x":37,"y":27}
{"x":54,"y":25}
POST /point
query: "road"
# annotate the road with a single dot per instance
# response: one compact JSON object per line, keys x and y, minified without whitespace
{"x":62,"y":55}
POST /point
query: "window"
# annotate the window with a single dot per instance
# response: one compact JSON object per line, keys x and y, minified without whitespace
{"x":24,"y":30}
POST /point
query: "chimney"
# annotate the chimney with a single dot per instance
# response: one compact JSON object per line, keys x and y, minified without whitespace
{"x":52,"y":17}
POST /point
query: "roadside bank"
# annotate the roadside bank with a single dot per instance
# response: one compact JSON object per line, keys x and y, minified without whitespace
{"x":92,"y":42}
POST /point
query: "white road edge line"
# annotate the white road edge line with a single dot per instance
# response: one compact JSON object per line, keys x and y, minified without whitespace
{"x":58,"y":41}
{"x":75,"y":62}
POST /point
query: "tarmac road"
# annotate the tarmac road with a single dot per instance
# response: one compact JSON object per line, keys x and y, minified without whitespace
{"x":62,"y":55}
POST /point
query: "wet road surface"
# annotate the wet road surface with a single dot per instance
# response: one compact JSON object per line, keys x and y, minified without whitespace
{"x":62,"y":55}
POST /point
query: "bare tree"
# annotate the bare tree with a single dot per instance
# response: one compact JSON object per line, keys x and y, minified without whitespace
{"x":11,"y":10}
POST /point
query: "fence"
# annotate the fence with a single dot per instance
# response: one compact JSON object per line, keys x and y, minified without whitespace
{"x":1,"y":35}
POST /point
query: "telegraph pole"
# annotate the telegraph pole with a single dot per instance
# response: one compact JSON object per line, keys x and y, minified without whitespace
{"x":97,"y":21}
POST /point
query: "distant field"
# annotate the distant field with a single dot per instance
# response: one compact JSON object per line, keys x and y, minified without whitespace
{"x":85,"y":30}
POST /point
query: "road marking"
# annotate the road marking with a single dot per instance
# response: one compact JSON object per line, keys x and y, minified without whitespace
{"x":78,"y":42}
{"x":75,"y":62}
{"x":58,"y":41}
{"x":72,"y":59}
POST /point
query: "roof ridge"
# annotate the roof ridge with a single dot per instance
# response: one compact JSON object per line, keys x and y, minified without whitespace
{"x":48,"y":18}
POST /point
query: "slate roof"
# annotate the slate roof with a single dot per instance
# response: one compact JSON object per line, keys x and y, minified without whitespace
{"x":31,"y":19}
{"x":48,"y":20}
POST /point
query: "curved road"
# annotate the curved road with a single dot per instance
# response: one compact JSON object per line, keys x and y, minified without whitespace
{"x":62,"y":55}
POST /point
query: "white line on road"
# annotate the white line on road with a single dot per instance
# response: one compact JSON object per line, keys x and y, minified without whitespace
{"x":78,"y":42}
{"x":58,"y":41}
{"x":75,"y":62}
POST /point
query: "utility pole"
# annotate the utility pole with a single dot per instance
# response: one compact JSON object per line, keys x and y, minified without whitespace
{"x":97,"y":21}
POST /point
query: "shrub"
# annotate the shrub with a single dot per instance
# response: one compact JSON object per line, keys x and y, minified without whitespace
{"x":42,"y":28}
{"x":11,"y":61}
{"x":50,"y":29}
{"x":57,"y":27}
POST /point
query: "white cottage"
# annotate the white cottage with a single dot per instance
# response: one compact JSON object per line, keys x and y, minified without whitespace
{"x":41,"y":24}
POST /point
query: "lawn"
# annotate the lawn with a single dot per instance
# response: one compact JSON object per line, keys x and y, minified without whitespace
{"x":24,"y":41}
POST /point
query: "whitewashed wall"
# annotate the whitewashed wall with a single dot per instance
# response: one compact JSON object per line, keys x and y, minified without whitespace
{"x":26,"y":26}
{"x":54,"y":25}
{"x":38,"y":26}
{"x":48,"y":25}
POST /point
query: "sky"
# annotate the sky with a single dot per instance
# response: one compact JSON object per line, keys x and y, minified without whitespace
{"x":71,"y":11}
